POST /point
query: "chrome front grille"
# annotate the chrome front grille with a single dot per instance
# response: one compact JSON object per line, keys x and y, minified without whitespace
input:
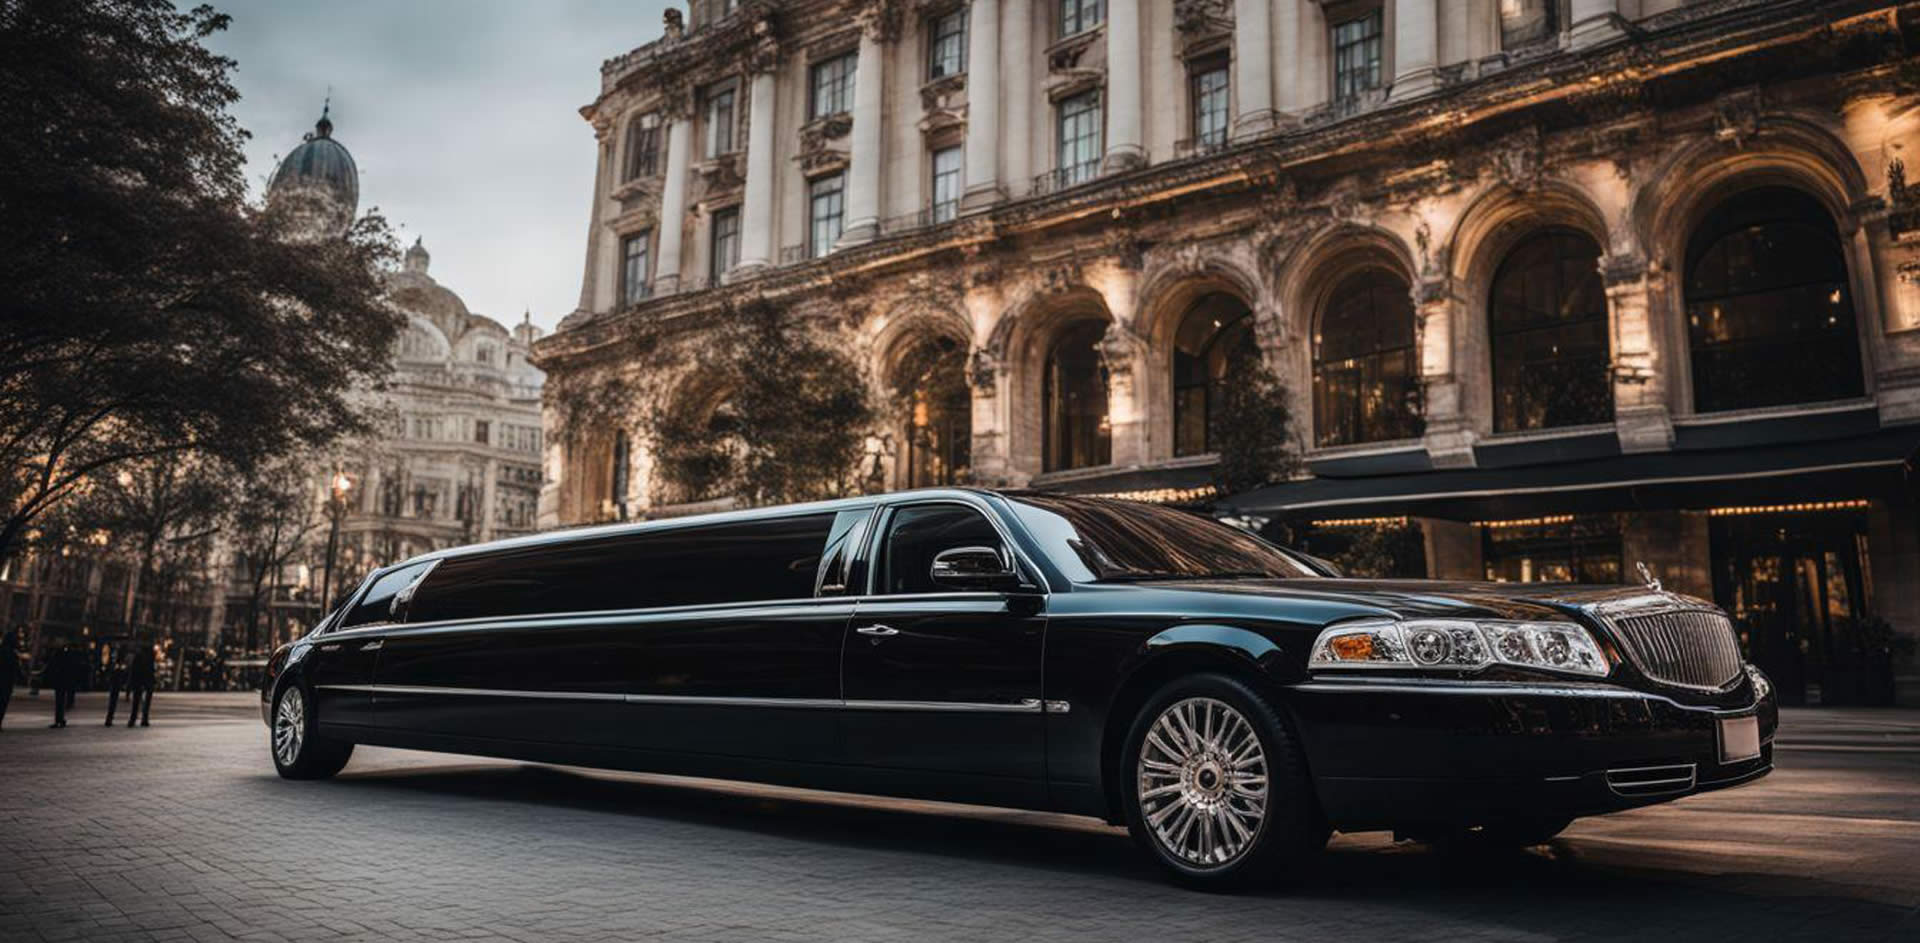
{"x":1691,"y":648}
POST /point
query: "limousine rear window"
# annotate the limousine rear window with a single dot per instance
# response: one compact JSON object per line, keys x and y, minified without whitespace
{"x":742,"y":561}
{"x":1094,"y":539}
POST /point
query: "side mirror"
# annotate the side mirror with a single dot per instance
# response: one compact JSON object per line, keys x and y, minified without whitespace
{"x":973,"y":568}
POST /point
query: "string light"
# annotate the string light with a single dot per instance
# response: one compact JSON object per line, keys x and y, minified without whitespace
{"x":1801,"y":508}
{"x":1528,"y":521}
{"x":1161,"y":495}
{"x":1363,"y":522}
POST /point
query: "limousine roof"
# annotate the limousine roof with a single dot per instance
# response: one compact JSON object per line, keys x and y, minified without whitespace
{"x":589,"y":532}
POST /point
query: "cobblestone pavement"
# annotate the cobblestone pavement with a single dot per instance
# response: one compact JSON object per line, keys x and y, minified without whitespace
{"x":183,"y":832}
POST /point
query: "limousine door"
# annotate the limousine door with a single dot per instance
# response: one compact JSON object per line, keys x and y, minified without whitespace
{"x":938,"y":678}
{"x":341,"y":667}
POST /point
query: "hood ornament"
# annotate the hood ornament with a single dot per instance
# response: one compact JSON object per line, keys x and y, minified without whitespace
{"x":1646,"y":576}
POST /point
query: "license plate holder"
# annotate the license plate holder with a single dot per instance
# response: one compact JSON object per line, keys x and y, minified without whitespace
{"x":1739,"y":738}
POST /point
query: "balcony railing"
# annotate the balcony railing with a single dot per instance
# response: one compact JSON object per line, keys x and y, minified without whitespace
{"x":1062,"y":178}
{"x":1210,"y":143}
{"x":943,"y":212}
{"x":794,"y":255}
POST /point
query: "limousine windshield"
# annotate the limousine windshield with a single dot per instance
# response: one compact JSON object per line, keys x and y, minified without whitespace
{"x":1114,"y":541}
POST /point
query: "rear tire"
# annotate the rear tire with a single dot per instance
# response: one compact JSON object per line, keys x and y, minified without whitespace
{"x":1215,"y":787}
{"x":299,"y":751}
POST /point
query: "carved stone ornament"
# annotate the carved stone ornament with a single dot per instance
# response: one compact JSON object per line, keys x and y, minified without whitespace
{"x":1064,"y":57}
{"x":763,"y":55}
{"x":1203,"y":17}
{"x":1519,"y":159}
{"x":1903,"y":201}
{"x":1736,"y":117}
{"x":880,"y":20}
{"x":676,"y":25}
{"x":676,"y":98}
{"x":1061,"y":276}
{"x":721,"y":175}
{"x":816,"y":150}
{"x":983,"y":368}
{"x":940,"y":94}
{"x":1118,"y":349}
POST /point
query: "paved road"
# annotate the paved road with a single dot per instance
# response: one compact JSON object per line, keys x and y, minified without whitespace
{"x":182,"y":832}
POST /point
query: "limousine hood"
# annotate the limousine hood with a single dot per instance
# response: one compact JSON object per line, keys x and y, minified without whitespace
{"x":1447,"y":599}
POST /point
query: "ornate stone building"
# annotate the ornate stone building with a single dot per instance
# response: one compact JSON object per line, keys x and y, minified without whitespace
{"x":1570,"y":286}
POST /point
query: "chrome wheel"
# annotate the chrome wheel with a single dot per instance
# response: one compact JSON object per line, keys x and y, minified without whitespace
{"x":1203,"y":782}
{"x":289,"y":726}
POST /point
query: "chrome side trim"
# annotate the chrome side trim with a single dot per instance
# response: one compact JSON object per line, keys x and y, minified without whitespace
{"x":1024,"y":706}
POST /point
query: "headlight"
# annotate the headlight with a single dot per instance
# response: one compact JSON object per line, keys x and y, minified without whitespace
{"x":1762,"y":688}
{"x":1459,"y":645}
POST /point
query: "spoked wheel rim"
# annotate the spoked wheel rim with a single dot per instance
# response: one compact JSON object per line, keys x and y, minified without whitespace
{"x":1203,"y":783}
{"x":289,"y":726}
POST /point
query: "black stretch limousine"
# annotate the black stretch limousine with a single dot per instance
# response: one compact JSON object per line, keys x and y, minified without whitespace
{"x":1228,"y":700}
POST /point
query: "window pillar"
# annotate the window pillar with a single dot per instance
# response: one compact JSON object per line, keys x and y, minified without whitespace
{"x":983,"y":107}
{"x":756,"y":231}
{"x":673,"y":203}
{"x":1253,"y":113}
{"x":1416,"y":47}
{"x":863,"y":166}
{"x":1016,"y":46}
{"x":1449,"y":431}
{"x":1124,"y":150}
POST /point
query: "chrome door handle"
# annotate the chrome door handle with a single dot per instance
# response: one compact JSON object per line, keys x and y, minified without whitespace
{"x":330,"y":648}
{"x":374,"y":645}
{"x":877,"y":631}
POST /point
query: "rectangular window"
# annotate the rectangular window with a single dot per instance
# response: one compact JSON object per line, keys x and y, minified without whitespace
{"x":633,"y":268}
{"x":1078,"y":16}
{"x":947,"y":44}
{"x":1079,"y":138}
{"x":720,"y":121}
{"x":832,"y":86}
{"x":726,"y":242}
{"x":480,"y":431}
{"x":1209,"y":100}
{"x":749,"y":561}
{"x":946,"y":184}
{"x":826,"y":212}
{"x":643,"y":146}
{"x":1357,"y":48}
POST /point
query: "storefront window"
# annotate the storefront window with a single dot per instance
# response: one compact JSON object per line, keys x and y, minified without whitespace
{"x":1548,"y":326}
{"x":1769,"y":315}
{"x":1217,"y":331}
{"x":1364,"y":387}
{"x":1569,"y":548}
{"x":1074,"y":400}
{"x":1797,"y":586}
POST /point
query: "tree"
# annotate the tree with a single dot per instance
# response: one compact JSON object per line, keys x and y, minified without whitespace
{"x":267,"y":525}
{"x":146,"y":308}
{"x":158,"y":510}
{"x":1252,"y":428}
{"x":793,"y":423}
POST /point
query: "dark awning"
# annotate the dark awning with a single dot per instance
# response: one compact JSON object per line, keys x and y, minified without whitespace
{"x":1833,"y":469}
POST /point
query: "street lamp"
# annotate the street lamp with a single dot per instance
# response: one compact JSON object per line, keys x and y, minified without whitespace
{"x":336,"y":509}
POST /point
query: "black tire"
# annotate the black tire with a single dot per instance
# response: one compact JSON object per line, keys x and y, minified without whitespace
{"x":1208,"y":788}
{"x":298,"y":749}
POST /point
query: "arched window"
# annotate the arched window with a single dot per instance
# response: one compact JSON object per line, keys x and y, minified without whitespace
{"x":1547,"y":321}
{"x":1364,"y":386}
{"x":1216,"y":332}
{"x":1076,"y":432}
{"x":1769,"y":316}
{"x":930,"y":384}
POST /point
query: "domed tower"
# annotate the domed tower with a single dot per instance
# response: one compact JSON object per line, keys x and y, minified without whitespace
{"x":318,"y":182}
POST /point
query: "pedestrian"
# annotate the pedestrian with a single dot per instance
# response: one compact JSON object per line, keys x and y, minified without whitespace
{"x":63,"y":675}
{"x":140,"y":676}
{"x":10,"y":669}
{"x":116,"y":680}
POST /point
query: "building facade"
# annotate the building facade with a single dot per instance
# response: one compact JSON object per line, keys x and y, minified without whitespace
{"x":1569,"y":287}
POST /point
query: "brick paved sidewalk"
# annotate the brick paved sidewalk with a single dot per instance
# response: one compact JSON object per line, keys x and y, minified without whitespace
{"x":182,"y":832}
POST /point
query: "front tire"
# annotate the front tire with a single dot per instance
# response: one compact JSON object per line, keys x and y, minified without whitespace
{"x":1215,"y":787}
{"x":299,"y":752}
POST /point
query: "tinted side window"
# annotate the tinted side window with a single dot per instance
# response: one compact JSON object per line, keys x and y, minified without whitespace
{"x":917,"y":532}
{"x":747,"y":561}
{"x":377,"y":605}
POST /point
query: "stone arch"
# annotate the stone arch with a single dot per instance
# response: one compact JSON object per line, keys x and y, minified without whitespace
{"x":687,"y":401}
{"x":1497,"y":221}
{"x":1171,"y":291}
{"x":1785,"y":150}
{"x":933,"y":438}
{"x":1022,"y":343}
{"x":1308,"y":279}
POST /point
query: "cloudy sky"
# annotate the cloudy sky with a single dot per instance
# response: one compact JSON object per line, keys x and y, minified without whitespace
{"x":463,"y":116}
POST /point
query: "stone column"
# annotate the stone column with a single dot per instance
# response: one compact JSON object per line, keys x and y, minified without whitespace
{"x":1124,"y":150}
{"x":1641,"y":418}
{"x":863,"y":165}
{"x":673,"y":204}
{"x":1594,"y":22}
{"x":1416,"y":47}
{"x":1285,"y":21}
{"x":1449,"y":429}
{"x":1253,"y":113}
{"x":1016,"y":61}
{"x":756,"y":216}
{"x":983,"y":108}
